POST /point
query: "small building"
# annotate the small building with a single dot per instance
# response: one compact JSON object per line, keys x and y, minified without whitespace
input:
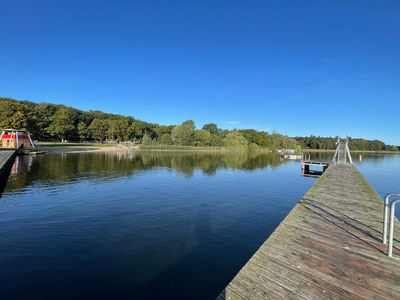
{"x":16,"y":139}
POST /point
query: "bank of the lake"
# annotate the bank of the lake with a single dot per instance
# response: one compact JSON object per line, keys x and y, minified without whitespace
{"x":79,"y":147}
{"x":174,"y":148}
{"x":123,"y":147}
{"x":352,"y":151}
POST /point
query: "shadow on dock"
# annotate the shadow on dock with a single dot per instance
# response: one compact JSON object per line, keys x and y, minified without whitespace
{"x":350,"y":225}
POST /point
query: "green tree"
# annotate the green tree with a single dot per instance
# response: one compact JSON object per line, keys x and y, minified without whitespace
{"x":62,"y":126}
{"x":14,"y":115}
{"x":183,"y":134}
{"x":211,"y":128}
{"x":234,"y":139}
{"x":216,"y":141}
{"x":257,"y":137}
{"x":82,"y":131}
{"x":161,"y":130}
{"x":141,"y":128}
{"x":43,"y":115}
{"x":47,"y":122}
{"x":147,"y":140}
{"x":98,"y":130}
{"x":202,"y":138}
{"x":118,"y":130}
{"x":19,"y":120}
{"x":166,"y":139}
{"x":280,"y":141}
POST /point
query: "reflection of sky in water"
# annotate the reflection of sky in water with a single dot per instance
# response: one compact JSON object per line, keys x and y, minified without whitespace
{"x":179,"y":227}
{"x":383,"y":172}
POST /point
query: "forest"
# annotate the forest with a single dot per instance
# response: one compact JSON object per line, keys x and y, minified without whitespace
{"x":54,"y":122}
{"x":48,"y":122}
{"x":329,"y":143}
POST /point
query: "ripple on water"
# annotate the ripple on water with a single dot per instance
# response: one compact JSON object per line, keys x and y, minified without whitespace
{"x":123,"y":227}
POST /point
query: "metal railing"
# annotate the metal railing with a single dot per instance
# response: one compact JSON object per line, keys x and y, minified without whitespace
{"x":389,"y":209}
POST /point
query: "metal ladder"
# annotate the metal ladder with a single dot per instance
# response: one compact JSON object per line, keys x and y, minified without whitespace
{"x":342,"y":154}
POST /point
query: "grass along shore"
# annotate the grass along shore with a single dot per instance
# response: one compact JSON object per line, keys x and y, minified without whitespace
{"x":201,"y":148}
{"x":58,"y":147}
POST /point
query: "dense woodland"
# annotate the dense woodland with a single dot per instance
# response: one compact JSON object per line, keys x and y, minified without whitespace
{"x":328,"y":143}
{"x":51,"y":122}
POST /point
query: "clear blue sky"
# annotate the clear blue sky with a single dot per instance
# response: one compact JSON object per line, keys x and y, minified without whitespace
{"x":299,"y":67}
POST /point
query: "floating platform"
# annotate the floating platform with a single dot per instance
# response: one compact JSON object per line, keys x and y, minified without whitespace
{"x":29,"y":152}
{"x":307,"y":170}
{"x":328,"y":247}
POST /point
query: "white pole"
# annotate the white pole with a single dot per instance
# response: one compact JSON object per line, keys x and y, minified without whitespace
{"x":29,"y":136}
{"x":385,"y":219}
{"x":348,"y":152}
{"x":16,"y":137}
{"x":336,"y":152}
{"x":1,"y":139}
{"x":391,"y":228}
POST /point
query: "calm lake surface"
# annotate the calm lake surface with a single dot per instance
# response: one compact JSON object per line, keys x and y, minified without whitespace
{"x":147,"y":225}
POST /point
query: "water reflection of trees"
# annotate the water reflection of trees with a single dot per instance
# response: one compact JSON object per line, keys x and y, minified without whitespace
{"x":63,"y":168}
{"x":187,"y":163}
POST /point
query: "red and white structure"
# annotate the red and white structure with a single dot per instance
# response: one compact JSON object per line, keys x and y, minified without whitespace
{"x":16,"y":139}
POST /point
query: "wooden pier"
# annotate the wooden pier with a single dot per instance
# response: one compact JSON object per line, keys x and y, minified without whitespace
{"x":7,"y":158}
{"x":328,"y":247}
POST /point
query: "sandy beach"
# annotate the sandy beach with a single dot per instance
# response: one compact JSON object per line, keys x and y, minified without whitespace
{"x":50,"y":149}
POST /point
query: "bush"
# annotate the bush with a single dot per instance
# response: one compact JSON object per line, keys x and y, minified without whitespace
{"x":234,"y":140}
{"x":147,"y":140}
{"x":202,"y":138}
{"x":166,"y":139}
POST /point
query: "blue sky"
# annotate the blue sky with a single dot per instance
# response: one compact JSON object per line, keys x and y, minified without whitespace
{"x":298,"y":67}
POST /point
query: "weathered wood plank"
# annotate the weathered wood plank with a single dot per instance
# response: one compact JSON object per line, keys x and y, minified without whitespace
{"x":6,"y":160}
{"x":328,"y":247}
{"x":5,"y":156}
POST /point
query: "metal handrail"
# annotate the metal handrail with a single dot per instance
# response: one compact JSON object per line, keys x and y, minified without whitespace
{"x":391,"y":226}
{"x":386,"y":215}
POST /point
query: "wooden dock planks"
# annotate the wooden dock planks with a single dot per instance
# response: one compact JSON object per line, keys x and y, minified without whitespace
{"x":5,"y":156}
{"x":328,"y":247}
{"x":6,"y":160}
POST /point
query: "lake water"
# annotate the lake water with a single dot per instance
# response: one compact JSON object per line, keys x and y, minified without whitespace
{"x":146,"y":225}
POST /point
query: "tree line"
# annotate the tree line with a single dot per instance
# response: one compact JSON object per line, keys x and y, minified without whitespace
{"x":54,"y":122}
{"x":329,"y":143}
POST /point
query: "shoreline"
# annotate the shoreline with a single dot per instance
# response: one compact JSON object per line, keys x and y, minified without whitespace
{"x":111,"y":148}
{"x":351,"y":151}
{"x":82,"y":149}
{"x":55,"y":148}
{"x":167,"y":148}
